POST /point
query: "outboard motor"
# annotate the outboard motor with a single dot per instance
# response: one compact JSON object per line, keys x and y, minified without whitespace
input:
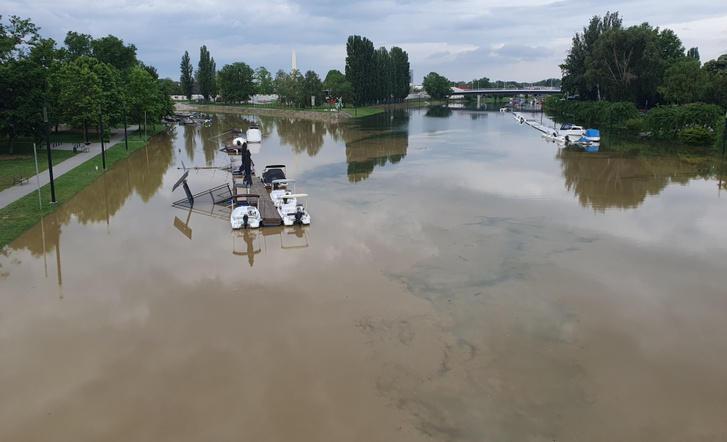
{"x":244,"y":221}
{"x":299,"y":217}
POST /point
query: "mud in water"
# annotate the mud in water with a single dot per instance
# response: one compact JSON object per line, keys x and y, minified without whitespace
{"x":462,"y":280}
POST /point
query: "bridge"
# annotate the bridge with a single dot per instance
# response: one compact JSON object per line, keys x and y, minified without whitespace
{"x":507,"y":91}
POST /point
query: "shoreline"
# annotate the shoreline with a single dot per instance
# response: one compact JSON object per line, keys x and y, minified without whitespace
{"x":309,"y":115}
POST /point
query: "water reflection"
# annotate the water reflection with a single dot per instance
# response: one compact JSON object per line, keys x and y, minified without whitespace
{"x":608,"y":180}
{"x":252,"y":242}
{"x":376,"y":141}
{"x":305,"y":136}
{"x":516,"y":316}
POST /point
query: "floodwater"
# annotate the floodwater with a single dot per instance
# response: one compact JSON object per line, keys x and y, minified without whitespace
{"x":462,"y":280}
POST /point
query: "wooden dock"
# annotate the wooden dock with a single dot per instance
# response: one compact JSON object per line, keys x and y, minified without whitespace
{"x":270,"y":214}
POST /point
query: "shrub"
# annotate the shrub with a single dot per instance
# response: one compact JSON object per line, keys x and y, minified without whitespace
{"x":696,"y":136}
{"x":635,"y":125}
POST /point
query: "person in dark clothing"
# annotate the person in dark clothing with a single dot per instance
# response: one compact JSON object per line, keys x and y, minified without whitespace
{"x":246,"y":167}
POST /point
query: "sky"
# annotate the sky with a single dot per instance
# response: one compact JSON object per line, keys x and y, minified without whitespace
{"x":462,"y":40}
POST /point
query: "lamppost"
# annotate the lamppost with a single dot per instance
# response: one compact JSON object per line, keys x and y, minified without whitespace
{"x":50,"y":160}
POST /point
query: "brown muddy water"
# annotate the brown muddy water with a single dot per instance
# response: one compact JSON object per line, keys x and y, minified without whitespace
{"x":462,"y":280}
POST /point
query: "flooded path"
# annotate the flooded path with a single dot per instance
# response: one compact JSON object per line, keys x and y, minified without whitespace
{"x":462,"y":280}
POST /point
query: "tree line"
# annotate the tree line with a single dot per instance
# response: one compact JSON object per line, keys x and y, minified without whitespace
{"x":640,"y":64}
{"x":83,"y":83}
{"x":372,"y":76}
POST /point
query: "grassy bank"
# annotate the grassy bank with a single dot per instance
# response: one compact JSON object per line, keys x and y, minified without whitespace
{"x":19,"y":216}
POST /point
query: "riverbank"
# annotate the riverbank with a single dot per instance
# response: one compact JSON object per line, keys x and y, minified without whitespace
{"x":274,"y":112}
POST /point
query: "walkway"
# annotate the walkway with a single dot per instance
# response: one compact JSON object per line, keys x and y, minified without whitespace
{"x":18,"y":191}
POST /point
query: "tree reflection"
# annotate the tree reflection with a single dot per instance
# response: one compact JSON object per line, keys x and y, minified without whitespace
{"x":304,"y":135}
{"x":605,"y":180}
{"x":142,"y":173}
{"x":375,"y":141}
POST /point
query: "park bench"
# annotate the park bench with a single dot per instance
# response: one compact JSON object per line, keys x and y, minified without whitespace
{"x":19,"y":179}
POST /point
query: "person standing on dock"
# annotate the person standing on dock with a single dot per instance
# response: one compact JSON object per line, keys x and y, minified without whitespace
{"x":246,"y":167}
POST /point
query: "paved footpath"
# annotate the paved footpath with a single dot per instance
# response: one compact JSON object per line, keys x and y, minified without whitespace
{"x":18,"y":191}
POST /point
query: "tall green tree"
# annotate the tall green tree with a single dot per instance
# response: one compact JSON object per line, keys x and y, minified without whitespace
{"x":400,"y":73}
{"x":144,"y":97}
{"x":437,"y":86}
{"x":574,"y":69}
{"x":85,"y":84}
{"x":78,"y":45}
{"x":186,"y":79}
{"x":205,"y":73}
{"x":684,"y":82}
{"x":360,"y":68}
{"x":112,"y":51}
{"x":16,"y":37}
{"x":22,"y":80}
{"x":236,"y":82}
{"x":264,"y":81}
{"x":717,"y":71}
{"x":312,"y":87}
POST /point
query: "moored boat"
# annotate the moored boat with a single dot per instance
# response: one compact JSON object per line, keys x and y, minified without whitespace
{"x":253,"y":134}
{"x":245,"y":214}
{"x":288,"y":203}
{"x":570,"y":132}
{"x":271,"y":173}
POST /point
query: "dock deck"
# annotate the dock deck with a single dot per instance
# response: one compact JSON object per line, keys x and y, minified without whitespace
{"x":270,"y":214}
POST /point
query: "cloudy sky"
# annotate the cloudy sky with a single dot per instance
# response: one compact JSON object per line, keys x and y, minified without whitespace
{"x":521,"y":40}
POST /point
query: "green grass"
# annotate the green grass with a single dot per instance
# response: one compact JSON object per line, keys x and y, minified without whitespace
{"x":24,"y":164}
{"x":24,"y":213}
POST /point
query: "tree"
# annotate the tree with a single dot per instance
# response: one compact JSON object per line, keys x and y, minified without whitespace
{"x":111,"y":50}
{"x":717,"y":71}
{"x":186,"y":79}
{"x":144,"y":97}
{"x":360,"y":68}
{"x":684,"y":82}
{"x":338,"y":86}
{"x":264,"y":81}
{"x":22,"y":79}
{"x":693,"y":53}
{"x":575,"y":79}
{"x":437,"y":86}
{"x":311,"y":87}
{"x":205,"y":73}
{"x":84,"y":85}
{"x":16,"y":38}
{"x":78,"y":45}
{"x":400,"y":73}
{"x":236,"y":82}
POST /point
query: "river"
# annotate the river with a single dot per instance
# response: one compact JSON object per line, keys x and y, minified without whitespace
{"x":462,"y":279}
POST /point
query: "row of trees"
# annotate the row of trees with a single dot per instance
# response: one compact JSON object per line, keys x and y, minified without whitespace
{"x":641,"y":64}
{"x":77,"y":83}
{"x":372,"y":76}
{"x":376,"y":76}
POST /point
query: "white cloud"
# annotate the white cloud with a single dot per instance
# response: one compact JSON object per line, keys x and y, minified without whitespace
{"x":521,"y":40}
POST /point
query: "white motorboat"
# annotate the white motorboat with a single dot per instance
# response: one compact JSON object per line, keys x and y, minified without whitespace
{"x":253,"y":134}
{"x":246,"y":214}
{"x":286,"y":201}
{"x":570,"y":132}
